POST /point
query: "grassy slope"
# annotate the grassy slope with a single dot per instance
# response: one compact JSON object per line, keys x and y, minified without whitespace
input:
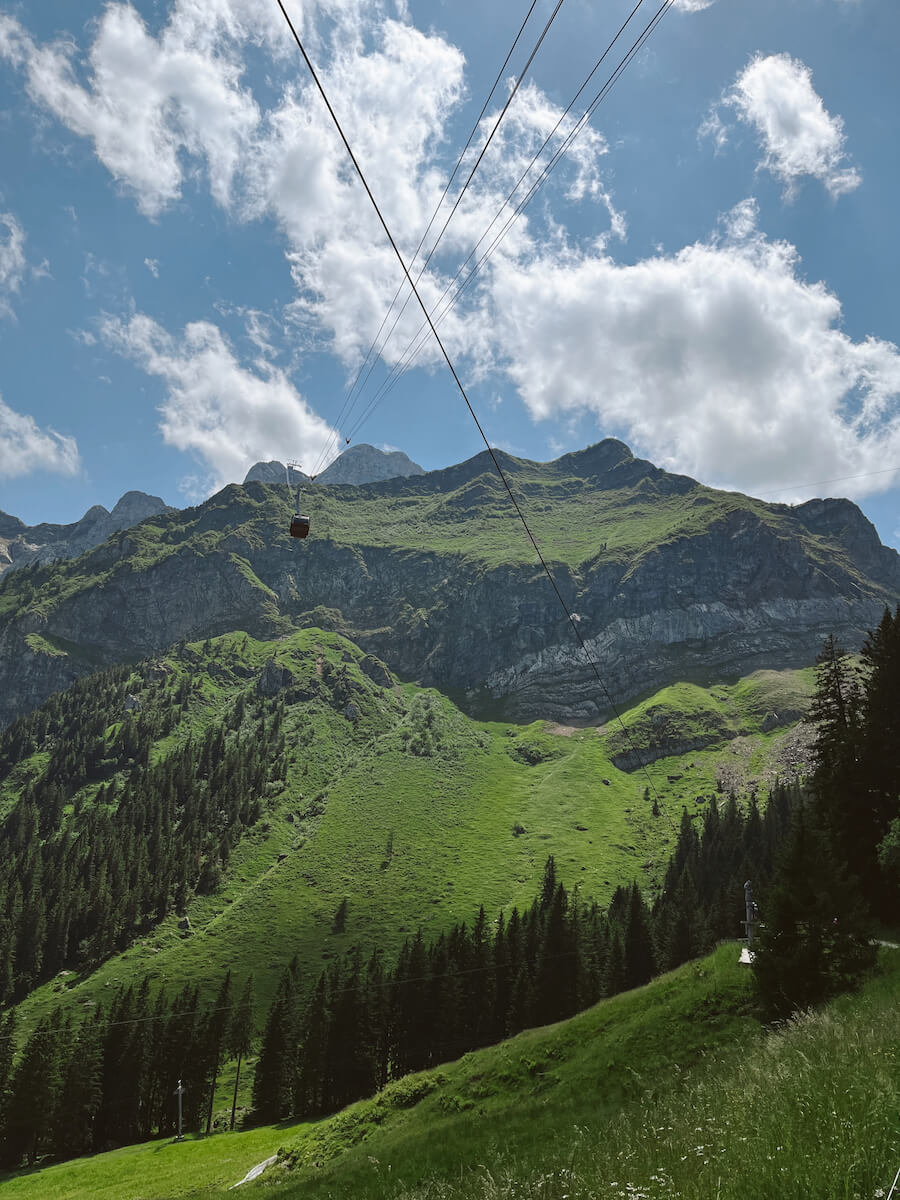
{"x":671,"y":1090}
{"x":409,"y":840}
{"x":622,"y":513}
{"x":603,"y":1106}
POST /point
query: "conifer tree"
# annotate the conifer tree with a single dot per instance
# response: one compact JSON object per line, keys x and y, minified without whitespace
{"x":814,"y":942}
{"x":273,"y":1084}
{"x":81,"y":1093}
{"x":216,"y":1025}
{"x":240,"y":1037}
{"x":640,"y":953}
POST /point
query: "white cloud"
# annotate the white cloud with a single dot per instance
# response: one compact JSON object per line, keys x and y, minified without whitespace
{"x":721,"y":361}
{"x":25,"y":447}
{"x":162,"y":108}
{"x":799,"y":136}
{"x":692,"y":6}
{"x":152,"y":265}
{"x":12,"y":260}
{"x":147,"y":101}
{"x":227,"y":415}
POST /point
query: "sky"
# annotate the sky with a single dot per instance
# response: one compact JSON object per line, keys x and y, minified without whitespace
{"x":192,"y":276}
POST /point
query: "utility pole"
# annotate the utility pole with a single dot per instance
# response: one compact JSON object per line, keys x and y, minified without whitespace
{"x":751,"y":916}
{"x":179,"y":1092}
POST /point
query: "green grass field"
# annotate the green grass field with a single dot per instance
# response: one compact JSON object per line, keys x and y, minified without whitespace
{"x":672,"y":1090}
{"x":416,"y":815}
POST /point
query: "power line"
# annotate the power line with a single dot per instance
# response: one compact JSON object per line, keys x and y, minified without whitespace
{"x":468,"y":403}
{"x":791,"y":487}
{"x":421,"y":335}
{"x":456,"y":203}
{"x":437,"y":209}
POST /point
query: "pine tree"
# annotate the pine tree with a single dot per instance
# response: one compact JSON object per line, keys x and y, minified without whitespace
{"x":34,"y":1095}
{"x":82,"y":1090}
{"x":216,"y":1025}
{"x":240,"y":1036}
{"x":273,"y":1084}
{"x":814,"y":941}
{"x":640,"y":953}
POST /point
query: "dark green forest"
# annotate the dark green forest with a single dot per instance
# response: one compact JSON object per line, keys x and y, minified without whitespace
{"x":78,"y":881}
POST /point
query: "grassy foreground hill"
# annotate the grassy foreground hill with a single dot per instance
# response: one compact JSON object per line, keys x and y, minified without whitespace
{"x":672,"y":1090}
{"x":405,"y":813}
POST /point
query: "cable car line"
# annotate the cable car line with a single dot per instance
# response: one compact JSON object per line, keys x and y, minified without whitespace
{"x":421,"y":335}
{"x":468,"y":404}
{"x":333,"y":439}
{"x":434,"y":215}
{"x":456,"y":202}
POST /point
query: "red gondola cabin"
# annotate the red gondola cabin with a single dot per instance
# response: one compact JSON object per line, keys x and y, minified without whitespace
{"x":299,"y":526}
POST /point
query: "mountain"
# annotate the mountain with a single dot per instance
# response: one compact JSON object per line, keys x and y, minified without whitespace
{"x":274,"y":472}
{"x":178,"y":807}
{"x":357,"y":465}
{"x":365,"y":464}
{"x":667,"y":580}
{"x":21,"y":544}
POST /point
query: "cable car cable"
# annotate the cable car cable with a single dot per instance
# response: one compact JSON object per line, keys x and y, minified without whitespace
{"x":468,"y":403}
{"x":421,"y":335}
{"x":437,"y":209}
{"x":456,"y":203}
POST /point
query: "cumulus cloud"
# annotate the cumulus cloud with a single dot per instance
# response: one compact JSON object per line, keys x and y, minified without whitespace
{"x":226,"y":415}
{"x":148,"y":101}
{"x":799,"y":136}
{"x":721,"y":360}
{"x":12,"y":260}
{"x":25,"y":447}
{"x":162,"y":108}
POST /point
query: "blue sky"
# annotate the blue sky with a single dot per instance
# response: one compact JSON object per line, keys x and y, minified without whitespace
{"x":190,"y":276}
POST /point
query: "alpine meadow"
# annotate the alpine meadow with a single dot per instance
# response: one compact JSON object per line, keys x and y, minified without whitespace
{"x":506,"y":807}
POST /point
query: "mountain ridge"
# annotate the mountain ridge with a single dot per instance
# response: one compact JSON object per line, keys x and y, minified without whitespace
{"x":666,"y":579}
{"x":21,"y":544}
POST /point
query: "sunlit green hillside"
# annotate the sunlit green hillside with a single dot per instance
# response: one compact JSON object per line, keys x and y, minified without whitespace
{"x":408,"y":813}
{"x":671,"y":1090}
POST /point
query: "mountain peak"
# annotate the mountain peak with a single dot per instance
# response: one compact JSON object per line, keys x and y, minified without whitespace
{"x":367,"y":464}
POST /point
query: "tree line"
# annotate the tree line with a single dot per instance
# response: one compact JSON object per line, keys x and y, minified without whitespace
{"x":839,"y":867}
{"x":364,"y":1022}
{"x":108,"y":838}
{"x":109,"y":1080}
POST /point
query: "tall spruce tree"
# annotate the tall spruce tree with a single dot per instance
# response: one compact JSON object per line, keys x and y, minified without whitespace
{"x":240,"y":1037}
{"x":814,"y":941}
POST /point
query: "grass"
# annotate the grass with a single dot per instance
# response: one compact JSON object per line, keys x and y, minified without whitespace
{"x":672,"y":1090}
{"x":415,"y":814}
{"x":150,"y":1171}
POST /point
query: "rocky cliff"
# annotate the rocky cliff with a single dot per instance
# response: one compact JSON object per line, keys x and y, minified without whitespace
{"x":357,"y":465}
{"x":668,"y":580}
{"x":21,"y":544}
{"x":366,"y":464}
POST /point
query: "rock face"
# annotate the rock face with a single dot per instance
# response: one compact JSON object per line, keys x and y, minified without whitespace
{"x":365,"y":464}
{"x":748,"y":586}
{"x":357,"y":465}
{"x":21,"y":544}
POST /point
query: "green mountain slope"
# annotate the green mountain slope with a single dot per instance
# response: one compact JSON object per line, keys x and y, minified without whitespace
{"x":668,"y":580}
{"x":668,"y":1090}
{"x":400,"y":808}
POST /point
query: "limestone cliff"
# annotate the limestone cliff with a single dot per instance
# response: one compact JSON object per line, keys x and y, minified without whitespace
{"x":668,"y":580}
